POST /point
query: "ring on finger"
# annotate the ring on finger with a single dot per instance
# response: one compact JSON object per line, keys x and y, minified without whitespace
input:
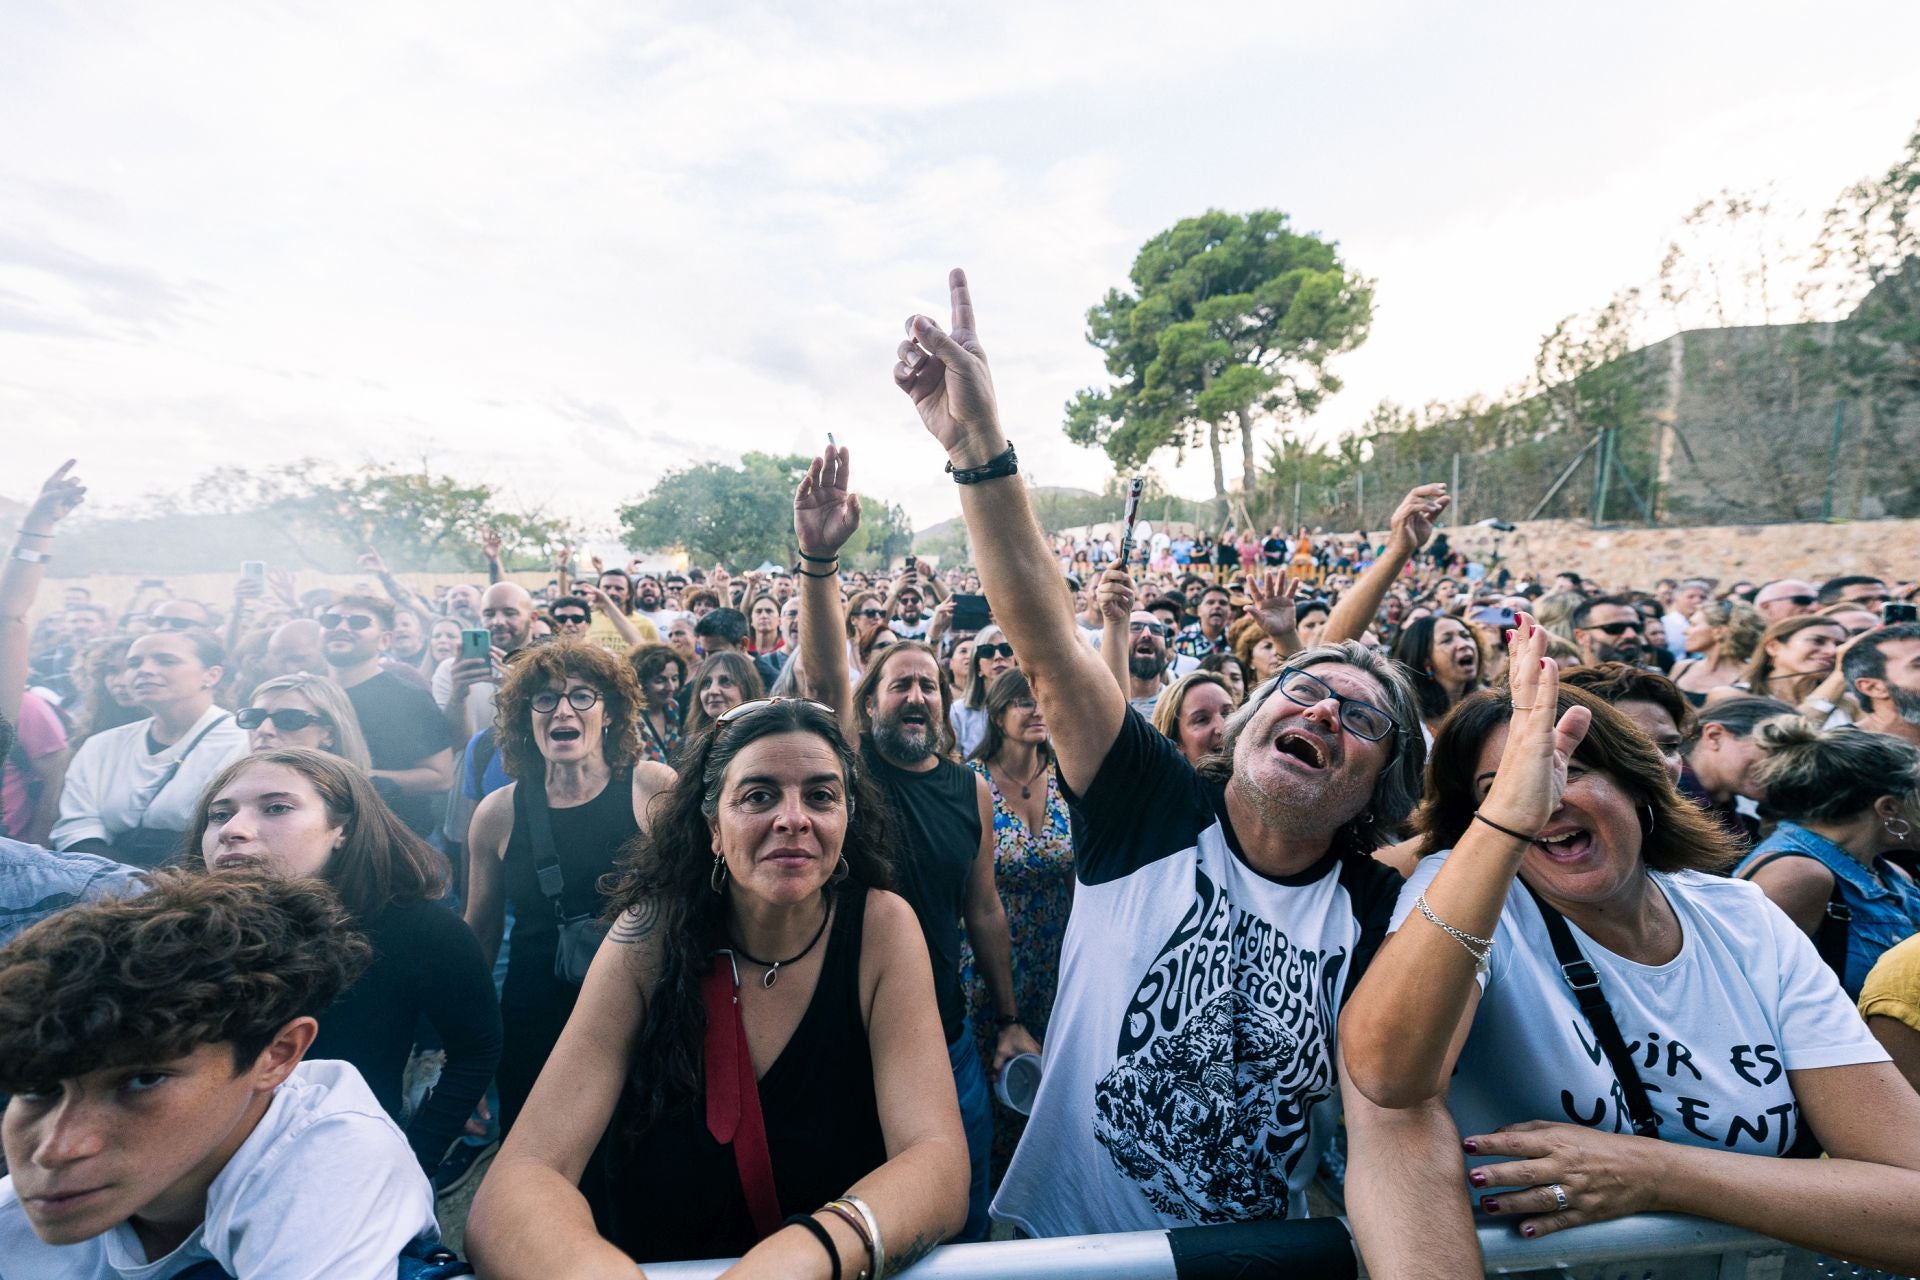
{"x":1560,"y":1200}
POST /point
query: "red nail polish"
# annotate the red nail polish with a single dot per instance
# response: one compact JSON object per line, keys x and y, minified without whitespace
{"x":1543,"y":664}
{"x":1527,"y":1230}
{"x":1489,"y":1204}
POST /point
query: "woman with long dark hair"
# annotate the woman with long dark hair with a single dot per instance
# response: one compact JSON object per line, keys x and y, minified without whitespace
{"x":758,"y":968}
{"x":567,"y":728}
{"x":721,"y":682}
{"x":660,"y":672}
{"x":299,"y":812}
{"x":1442,"y":657}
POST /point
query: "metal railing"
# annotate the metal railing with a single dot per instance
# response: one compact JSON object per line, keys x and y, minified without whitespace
{"x":1645,"y":1247}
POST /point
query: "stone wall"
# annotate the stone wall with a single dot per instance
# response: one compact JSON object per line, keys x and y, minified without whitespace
{"x":1638,"y":557}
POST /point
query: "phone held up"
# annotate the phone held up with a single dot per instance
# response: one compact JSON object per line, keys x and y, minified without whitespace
{"x":476,"y":643}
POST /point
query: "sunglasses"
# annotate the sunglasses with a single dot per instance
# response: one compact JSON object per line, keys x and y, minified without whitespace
{"x":353,"y":621}
{"x":1802,"y":601}
{"x":546,"y":702}
{"x":1155,"y":628}
{"x":569,"y":619}
{"x":873,"y":613}
{"x":746,"y":709}
{"x":1615,"y":628}
{"x":985,"y":651}
{"x":286,"y":721}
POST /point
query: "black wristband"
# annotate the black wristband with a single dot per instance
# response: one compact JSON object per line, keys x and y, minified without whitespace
{"x":1004,"y":464}
{"x":820,"y":559}
{"x":819,"y":1233}
{"x":1002,"y":1021}
{"x":1507,"y":831}
{"x":801,"y":571}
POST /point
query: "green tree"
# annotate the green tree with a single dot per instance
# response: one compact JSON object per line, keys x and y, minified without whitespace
{"x":1231,"y":321}
{"x":737,"y":516}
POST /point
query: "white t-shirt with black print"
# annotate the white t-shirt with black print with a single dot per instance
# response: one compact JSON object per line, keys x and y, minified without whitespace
{"x":1713,"y":1032}
{"x":1189,"y":1068}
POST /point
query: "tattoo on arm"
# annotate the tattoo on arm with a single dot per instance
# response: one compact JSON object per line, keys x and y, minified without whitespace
{"x":637,"y":922}
{"x":917,"y":1248}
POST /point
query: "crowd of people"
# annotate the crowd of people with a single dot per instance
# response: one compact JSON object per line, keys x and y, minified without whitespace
{"x":721,"y":915}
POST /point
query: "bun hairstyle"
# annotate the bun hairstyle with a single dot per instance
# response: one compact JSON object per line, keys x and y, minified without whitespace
{"x":1816,"y":775}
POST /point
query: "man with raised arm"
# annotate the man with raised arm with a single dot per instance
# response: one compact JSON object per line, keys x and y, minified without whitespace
{"x":1218,"y":921}
{"x":943,"y":855}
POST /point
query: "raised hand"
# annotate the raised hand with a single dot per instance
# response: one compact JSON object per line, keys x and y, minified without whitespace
{"x":1271,"y":601}
{"x":370,"y":561}
{"x":490,"y":544}
{"x":826,"y":511}
{"x":1532,"y":775}
{"x":281,"y":580}
{"x":945,"y":374}
{"x":563,"y":558}
{"x":1412,"y":520}
{"x":1115,"y":596}
{"x":62,"y":492}
{"x":594,"y":596}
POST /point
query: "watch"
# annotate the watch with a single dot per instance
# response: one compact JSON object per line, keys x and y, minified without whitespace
{"x":1003,"y":464}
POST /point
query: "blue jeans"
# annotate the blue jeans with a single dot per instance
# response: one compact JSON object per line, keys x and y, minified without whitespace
{"x":976,"y":1115}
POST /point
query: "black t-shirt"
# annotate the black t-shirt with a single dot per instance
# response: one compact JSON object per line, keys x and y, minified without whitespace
{"x":937,"y":828}
{"x":403,"y":726}
{"x":1274,"y":550}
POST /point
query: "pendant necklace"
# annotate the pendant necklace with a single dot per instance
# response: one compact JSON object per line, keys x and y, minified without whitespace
{"x":773,"y":966}
{"x":1026,"y":788}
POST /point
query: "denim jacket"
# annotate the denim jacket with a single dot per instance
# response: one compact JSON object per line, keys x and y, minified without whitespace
{"x":1886,"y":907}
{"x":36,"y":882}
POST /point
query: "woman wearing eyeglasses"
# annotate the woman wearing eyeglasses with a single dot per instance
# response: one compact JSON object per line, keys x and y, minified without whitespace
{"x":992,"y":658}
{"x":304,"y":711}
{"x":569,"y":739}
{"x":759,"y":969}
{"x":130,"y":791}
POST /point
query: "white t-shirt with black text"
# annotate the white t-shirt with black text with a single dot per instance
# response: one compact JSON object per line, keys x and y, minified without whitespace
{"x":324,"y":1188}
{"x":1188,"y":1074}
{"x":1713,"y":1032}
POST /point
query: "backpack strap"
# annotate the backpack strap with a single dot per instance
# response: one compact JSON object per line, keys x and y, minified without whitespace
{"x":1585,"y":982}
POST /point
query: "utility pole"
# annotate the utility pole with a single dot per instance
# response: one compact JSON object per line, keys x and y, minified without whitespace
{"x":1454,"y":488}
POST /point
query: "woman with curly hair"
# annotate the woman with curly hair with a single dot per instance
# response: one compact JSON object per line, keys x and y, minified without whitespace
{"x":721,"y":681}
{"x":296,"y":812}
{"x":661,"y":671}
{"x":100,"y":671}
{"x":759,"y":968}
{"x":567,"y":724}
{"x":1724,"y":633}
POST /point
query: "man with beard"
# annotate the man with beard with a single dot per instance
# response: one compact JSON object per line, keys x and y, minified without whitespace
{"x":1883,"y":670}
{"x":1609,"y":629}
{"x":1208,"y":635}
{"x":906,"y":611}
{"x":1138,"y":655}
{"x":464,"y":687}
{"x":650,"y":604}
{"x":943,"y":850}
{"x":1218,"y":920}
{"x":463,"y":605}
{"x":604,"y":631}
{"x":406,"y":733}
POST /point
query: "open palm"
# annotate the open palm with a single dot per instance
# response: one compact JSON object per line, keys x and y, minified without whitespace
{"x":945,"y":373}
{"x":826,"y":511}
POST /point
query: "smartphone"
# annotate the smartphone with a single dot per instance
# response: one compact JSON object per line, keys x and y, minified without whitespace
{"x":1895,"y":611}
{"x":476,"y":643}
{"x":255,"y":569}
{"x":912,"y":563}
{"x":969,"y":612}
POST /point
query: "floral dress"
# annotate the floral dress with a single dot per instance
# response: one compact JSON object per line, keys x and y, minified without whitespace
{"x":656,"y":747}
{"x":1035,"y":877}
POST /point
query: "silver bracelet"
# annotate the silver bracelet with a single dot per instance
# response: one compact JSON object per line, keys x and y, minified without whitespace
{"x":1479,"y":948}
{"x":31,"y":557}
{"x":876,"y":1248}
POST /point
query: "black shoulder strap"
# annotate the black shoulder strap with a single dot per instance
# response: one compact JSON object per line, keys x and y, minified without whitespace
{"x":1830,"y":936}
{"x":173,"y":770}
{"x":546,"y":859}
{"x":1585,"y":982}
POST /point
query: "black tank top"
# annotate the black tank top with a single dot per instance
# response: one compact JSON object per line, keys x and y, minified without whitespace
{"x":675,"y":1192}
{"x":588,"y":838}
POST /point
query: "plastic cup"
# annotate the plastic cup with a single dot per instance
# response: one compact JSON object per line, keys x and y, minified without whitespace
{"x":1018,"y":1083}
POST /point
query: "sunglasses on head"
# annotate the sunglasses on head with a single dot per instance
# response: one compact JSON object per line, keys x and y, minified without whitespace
{"x":286,"y":721}
{"x":353,"y":621}
{"x":985,"y":651}
{"x":746,"y":709}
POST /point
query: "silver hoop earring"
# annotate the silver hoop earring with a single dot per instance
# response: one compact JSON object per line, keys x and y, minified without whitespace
{"x":717,"y":878}
{"x":1906,"y":828}
{"x":1650,"y":823}
{"x":840,"y":871}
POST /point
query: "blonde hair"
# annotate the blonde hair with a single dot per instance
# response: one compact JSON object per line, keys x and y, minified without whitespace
{"x":331,"y":701}
{"x":1830,"y":775}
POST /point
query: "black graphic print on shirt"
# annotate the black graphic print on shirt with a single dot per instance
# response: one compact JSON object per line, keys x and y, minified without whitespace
{"x":1223,"y":1054}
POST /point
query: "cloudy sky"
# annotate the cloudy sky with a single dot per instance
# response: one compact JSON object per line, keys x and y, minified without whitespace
{"x":566,"y":247}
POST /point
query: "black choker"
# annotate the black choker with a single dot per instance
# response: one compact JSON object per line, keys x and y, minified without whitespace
{"x":773,"y":966}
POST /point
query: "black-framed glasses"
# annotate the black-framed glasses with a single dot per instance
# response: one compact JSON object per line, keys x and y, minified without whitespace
{"x":1362,"y":719}
{"x":1614,"y":628}
{"x":1153,"y":628}
{"x":985,"y":651}
{"x":546,"y":702}
{"x":286,"y":720}
{"x":569,"y":619}
{"x":353,"y":621}
{"x":745,"y":709}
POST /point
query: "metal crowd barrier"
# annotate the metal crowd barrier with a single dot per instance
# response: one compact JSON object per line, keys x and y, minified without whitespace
{"x":1646,"y":1247}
